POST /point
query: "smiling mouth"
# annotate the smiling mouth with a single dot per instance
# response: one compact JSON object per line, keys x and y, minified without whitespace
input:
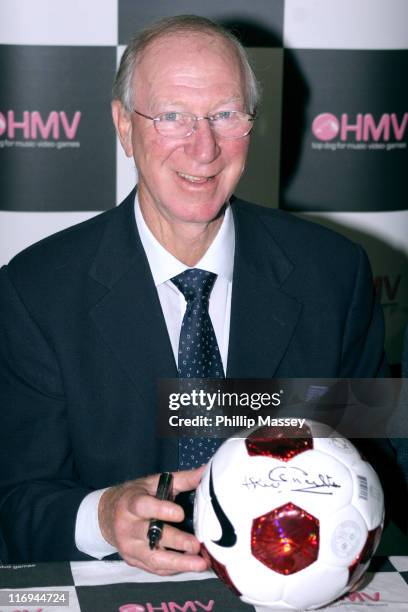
{"x":195,"y":179}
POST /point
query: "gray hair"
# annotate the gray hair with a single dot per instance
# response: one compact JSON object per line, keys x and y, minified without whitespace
{"x":123,"y":83}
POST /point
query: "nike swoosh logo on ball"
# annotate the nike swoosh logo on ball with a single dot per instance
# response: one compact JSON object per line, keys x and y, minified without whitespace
{"x":228,"y":537}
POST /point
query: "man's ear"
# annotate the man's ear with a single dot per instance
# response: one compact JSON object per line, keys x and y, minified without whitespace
{"x":123,"y":124}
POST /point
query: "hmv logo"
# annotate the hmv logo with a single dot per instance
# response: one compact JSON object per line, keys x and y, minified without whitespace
{"x":32,"y":125}
{"x":170,"y":606}
{"x":360,"y":127}
{"x":360,"y":596}
{"x":387,"y":288}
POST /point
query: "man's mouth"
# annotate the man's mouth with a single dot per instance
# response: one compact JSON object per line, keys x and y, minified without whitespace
{"x":195,"y":179}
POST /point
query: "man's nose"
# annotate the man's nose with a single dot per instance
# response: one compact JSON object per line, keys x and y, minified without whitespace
{"x":202,"y":145}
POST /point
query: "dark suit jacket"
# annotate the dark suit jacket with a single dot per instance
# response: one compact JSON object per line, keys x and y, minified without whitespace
{"x":83,"y":343}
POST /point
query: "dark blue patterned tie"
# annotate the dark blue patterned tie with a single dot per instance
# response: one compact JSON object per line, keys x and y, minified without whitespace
{"x":199,"y":355}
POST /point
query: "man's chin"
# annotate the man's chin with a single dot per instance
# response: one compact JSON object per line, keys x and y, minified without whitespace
{"x":203,"y":217}
{"x":198,"y":212}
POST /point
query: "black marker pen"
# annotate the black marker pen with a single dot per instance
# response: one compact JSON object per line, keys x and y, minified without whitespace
{"x":164,"y":491}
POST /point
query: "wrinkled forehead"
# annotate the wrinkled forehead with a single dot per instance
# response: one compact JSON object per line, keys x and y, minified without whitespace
{"x":197,"y":55}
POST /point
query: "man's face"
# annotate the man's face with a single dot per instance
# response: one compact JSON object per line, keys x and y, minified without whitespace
{"x":185,"y":179}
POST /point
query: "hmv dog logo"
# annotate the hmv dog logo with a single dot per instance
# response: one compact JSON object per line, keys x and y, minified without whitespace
{"x":361,"y":127}
{"x":360,"y":131}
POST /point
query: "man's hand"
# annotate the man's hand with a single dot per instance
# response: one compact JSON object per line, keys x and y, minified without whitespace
{"x":124,"y":515}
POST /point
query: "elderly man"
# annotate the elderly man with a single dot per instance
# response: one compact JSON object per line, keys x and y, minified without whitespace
{"x":91,"y":318}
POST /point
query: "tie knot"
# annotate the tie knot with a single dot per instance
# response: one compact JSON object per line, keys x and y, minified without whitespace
{"x":195,"y":283}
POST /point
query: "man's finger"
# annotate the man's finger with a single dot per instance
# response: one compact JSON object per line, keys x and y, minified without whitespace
{"x":172,"y":561}
{"x":187,"y":480}
{"x":147,"y":507}
{"x":179,"y":540}
{"x":180,"y":556}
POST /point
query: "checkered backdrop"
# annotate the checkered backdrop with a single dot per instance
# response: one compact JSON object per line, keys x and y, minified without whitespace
{"x":330,"y":142}
{"x":112,"y":585}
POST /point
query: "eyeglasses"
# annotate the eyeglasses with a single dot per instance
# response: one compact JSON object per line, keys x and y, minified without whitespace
{"x":225,"y":124}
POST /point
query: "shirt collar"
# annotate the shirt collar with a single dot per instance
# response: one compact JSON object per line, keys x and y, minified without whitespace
{"x":219,"y":257}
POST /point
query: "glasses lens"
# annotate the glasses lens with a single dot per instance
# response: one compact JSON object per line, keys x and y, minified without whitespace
{"x":174,"y":125}
{"x":231,"y":124}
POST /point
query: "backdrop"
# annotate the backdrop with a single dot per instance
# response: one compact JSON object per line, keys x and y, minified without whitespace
{"x":330,"y":142}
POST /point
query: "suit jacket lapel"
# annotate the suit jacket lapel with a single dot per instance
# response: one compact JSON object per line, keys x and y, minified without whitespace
{"x":129,"y":316}
{"x":130,"y":319}
{"x":263,"y":317}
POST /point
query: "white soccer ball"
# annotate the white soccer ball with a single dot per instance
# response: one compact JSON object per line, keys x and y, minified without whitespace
{"x":289,"y":523}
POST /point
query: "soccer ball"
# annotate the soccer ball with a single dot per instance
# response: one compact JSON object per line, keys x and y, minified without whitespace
{"x":289,"y":523}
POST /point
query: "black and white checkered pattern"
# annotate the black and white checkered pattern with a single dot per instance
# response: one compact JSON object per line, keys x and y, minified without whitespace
{"x":112,"y":586}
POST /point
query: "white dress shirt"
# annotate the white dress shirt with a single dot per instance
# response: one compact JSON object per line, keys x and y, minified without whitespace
{"x":219,"y":259}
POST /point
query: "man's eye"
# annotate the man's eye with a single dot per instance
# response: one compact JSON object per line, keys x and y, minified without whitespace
{"x":223,"y":115}
{"x":172,"y":116}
